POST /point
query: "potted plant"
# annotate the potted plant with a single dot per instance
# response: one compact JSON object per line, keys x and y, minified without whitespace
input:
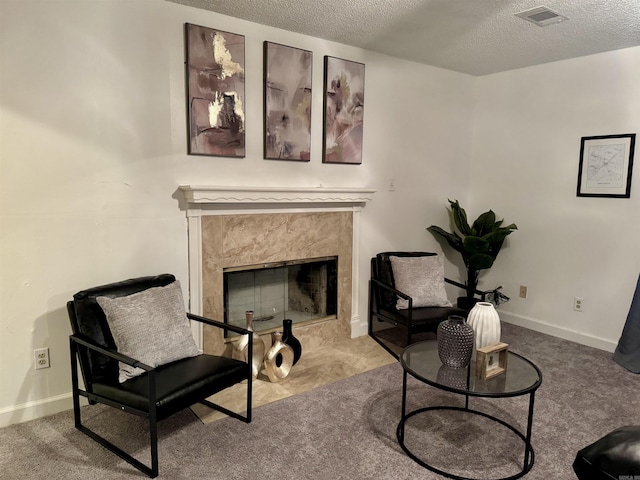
{"x":479,"y":244}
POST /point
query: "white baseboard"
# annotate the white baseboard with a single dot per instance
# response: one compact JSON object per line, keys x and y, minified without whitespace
{"x":359,"y":327}
{"x":48,"y":406}
{"x":554,"y":330}
{"x":36,"y":409}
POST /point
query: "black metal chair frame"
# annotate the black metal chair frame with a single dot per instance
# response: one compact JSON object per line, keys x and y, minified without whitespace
{"x":80,"y":345}
{"x":389,"y":314}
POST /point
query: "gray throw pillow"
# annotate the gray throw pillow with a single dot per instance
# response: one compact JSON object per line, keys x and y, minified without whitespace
{"x":422,"y":278}
{"x":150,"y":326}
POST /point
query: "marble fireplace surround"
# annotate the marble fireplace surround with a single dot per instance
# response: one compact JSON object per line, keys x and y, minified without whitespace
{"x":237,"y":226}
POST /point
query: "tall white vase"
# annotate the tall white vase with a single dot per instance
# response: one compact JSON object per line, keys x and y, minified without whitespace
{"x":485,"y":321}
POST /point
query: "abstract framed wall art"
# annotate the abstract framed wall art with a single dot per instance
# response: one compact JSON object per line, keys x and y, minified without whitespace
{"x":343,"y":111}
{"x":606,"y":164}
{"x":215,"y":92}
{"x":287,"y":102}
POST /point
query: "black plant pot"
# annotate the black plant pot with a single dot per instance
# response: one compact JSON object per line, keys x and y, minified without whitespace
{"x":289,"y":339}
{"x":467,"y":303}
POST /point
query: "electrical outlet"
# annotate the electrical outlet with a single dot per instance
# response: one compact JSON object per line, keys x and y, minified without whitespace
{"x":41,"y":356}
{"x":523,"y":291}
{"x":578,"y":304}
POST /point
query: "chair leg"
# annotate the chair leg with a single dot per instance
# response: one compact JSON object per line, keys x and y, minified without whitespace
{"x":73,"y":348}
{"x":153,"y":424}
{"x":77,"y":417}
{"x":150,"y":472}
{"x":371,"y":315}
{"x":249,"y":392}
{"x":153,"y":436}
{"x":245,"y":418}
{"x":370,"y":326}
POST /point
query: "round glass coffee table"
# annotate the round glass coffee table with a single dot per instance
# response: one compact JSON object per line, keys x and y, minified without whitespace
{"x":522,"y":377}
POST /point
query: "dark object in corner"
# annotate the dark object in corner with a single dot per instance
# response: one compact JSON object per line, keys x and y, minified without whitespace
{"x":627,"y":352}
{"x":614,"y":456}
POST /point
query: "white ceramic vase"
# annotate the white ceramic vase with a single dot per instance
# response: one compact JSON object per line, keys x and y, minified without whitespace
{"x":485,"y":321}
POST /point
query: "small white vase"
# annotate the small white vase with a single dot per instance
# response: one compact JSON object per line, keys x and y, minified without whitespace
{"x":485,"y":321}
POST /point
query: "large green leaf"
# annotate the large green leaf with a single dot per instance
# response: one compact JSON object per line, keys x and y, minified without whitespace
{"x":480,"y":261}
{"x":484,"y":224}
{"x":474,"y":245}
{"x":452,"y":239}
{"x":460,"y":218}
{"x":496,"y":239}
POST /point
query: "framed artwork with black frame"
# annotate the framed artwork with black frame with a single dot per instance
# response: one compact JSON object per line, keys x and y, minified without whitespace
{"x":606,"y":164}
{"x":343,"y":111}
{"x":287,"y":102}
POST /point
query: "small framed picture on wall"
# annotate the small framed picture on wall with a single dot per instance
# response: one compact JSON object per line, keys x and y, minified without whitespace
{"x":606,"y":164}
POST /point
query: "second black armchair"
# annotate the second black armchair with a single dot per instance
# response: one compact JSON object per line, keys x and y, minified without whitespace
{"x":410,"y":296}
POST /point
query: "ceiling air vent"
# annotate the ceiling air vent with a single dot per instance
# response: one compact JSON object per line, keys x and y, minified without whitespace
{"x":541,"y":16}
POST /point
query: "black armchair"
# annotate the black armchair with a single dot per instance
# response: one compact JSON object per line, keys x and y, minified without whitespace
{"x":158,"y":392}
{"x":383,"y":301}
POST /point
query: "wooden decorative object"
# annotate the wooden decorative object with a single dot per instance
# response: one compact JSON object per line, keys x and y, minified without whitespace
{"x":491,"y":361}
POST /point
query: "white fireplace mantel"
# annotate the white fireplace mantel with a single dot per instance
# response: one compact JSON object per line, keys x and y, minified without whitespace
{"x":198,"y":196}
{"x":220,"y":200}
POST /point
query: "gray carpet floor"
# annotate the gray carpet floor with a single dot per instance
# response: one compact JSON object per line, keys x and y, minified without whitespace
{"x":346,"y":430}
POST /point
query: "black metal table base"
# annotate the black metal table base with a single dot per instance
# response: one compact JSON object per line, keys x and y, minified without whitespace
{"x":529,"y":455}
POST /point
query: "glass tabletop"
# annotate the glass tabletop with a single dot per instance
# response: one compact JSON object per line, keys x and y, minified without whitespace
{"x":421,"y":360}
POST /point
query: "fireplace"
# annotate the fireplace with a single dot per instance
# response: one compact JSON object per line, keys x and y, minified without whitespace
{"x":234,"y":227}
{"x":303,"y":291}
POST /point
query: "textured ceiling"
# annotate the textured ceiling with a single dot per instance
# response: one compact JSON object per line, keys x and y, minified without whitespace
{"x":477,"y":37}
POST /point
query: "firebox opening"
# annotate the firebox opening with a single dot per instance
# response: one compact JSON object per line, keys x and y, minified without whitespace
{"x":304,"y":291}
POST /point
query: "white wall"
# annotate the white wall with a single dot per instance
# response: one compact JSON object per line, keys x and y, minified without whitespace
{"x":526,"y":144}
{"x":93,"y":148}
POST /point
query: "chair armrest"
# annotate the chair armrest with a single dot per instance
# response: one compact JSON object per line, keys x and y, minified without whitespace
{"x":375,"y":282}
{"x":391,"y":289}
{"x":483,"y":294}
{"x":408,"y":297}
{"x":401,"y":294}
{"x":457,"y":284}
{"x":219,"y":324}
{"x":79,"y":339}
{"x":86,"y":342}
